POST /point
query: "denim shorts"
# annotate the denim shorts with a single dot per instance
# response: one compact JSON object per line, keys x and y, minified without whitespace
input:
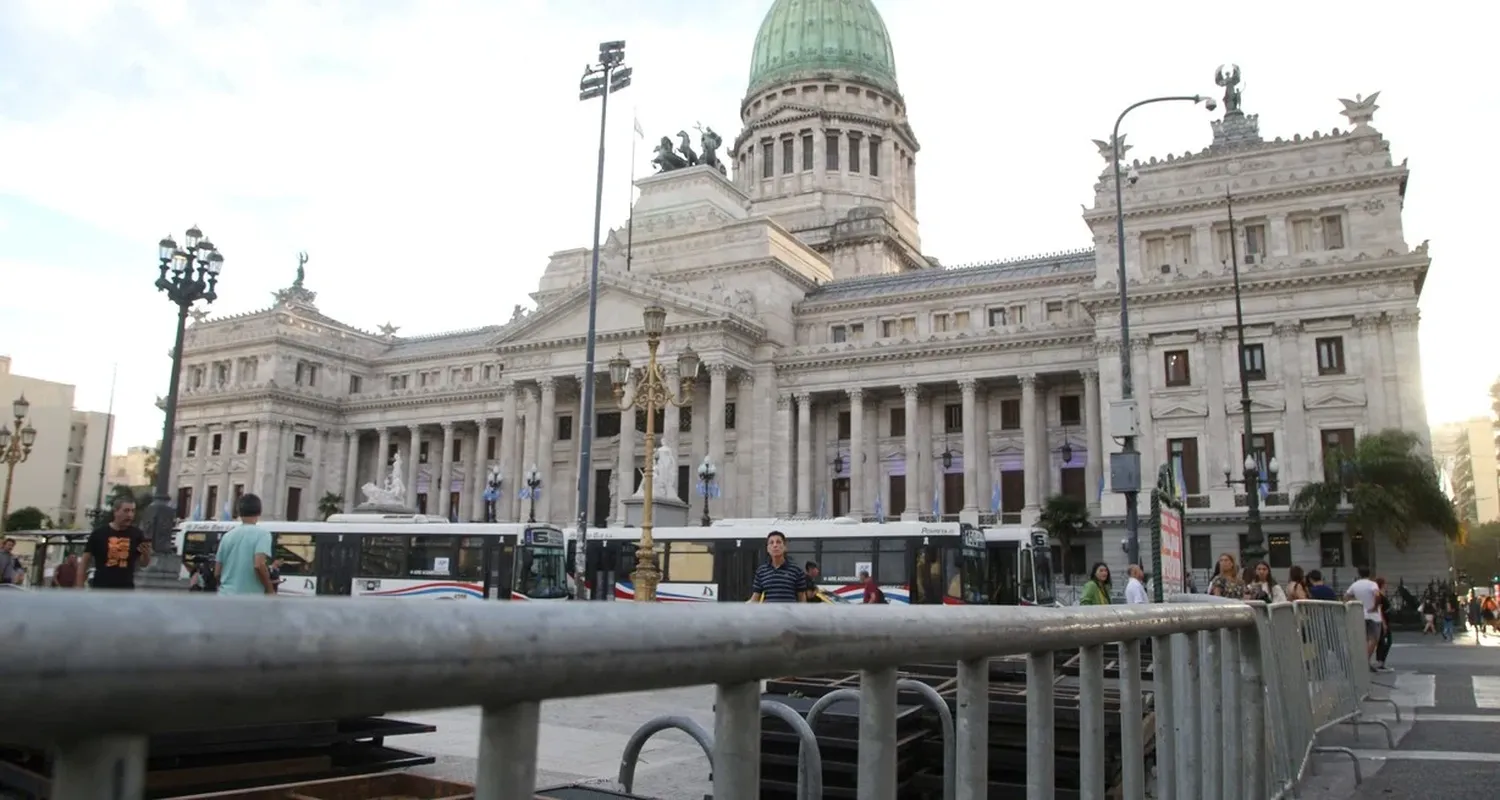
{"x":1372,"y":630}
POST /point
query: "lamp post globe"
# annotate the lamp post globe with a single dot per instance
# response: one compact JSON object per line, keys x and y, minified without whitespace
{"x":16,"y":441}
{"x":188,"y":274}
{"x":707,"y":472}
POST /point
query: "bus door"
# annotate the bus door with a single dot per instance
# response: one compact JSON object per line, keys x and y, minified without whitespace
{"x":335,"y":563}
{"x":609,"y":561}
{"x":499,"y":567}
{"x":1002,"y":582}
{"x":926,"y":584}
{"x":734,"y":568}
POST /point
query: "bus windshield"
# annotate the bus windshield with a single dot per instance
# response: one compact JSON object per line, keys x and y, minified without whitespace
{"x":1042,"y":563}
{"x":541,"y":572}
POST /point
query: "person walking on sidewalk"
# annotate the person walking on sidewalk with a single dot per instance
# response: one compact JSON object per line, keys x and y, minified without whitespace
{"x":1383,"y":644}
{"x":115,"y":549}
{"x":243,"y":563}
{"x":1096,"y":591}
{"x":1367,"y":593}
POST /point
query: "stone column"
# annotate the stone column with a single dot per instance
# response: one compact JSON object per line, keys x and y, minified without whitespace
{"x":351,"y":469}
{"x":874,"y":476}
{"x":1218,"y":409}
{"x":781,"y":467}
{"x":445,"y":474}
{"x":528,"y":451}
{"x":314,"y":495}
{"x":259,"y":477}
{"x":746,"y":419}
{"x":479,"y":469}
{"x":804,"y":455}
{"x":1031,"y":441}
{"x":509,"y":452}
{"x":625,"y":466}
{"x":856,"y":452}
{"x":982,"y":466}
{"x":382,"y":460}
{"x":1372,"y":366}
{"x":1141,"y":366}
{"x":413,"y":463}
{"x":1296,"y":464}
{"x":911,"y":460}
{"x":546,"y":427}
{"x":277,"y":498}
{"x":967,"y":387}
{"x":1408,"y":364}
{"x":718,"y":397}
{"x":671,"y":416}
{"x":1094,"y":431}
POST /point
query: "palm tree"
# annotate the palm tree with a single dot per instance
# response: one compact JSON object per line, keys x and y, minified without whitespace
{"x":330,"y":504}
{"x":1064,"y":517}
{"x":1390,"y":487}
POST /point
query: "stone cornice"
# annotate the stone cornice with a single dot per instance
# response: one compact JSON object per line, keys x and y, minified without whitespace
{"x":1255,"y":193}
{"x":851,"y":354}
{"x":813,"y":305}
{"x":1272,"y":277}
{"x":368,"y":401}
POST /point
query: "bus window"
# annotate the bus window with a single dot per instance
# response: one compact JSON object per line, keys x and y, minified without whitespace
{"x":798,"y":551}
{"x":890,"y":563}
{"x":689,"y":562}
{"x":296,"y":554}
{"x":927,"y":579}
{"x":1042,"y":569}
{"x":382,"y":556}
{"x":541,"y":573}
{"x":965,"y":572}
{"x":470,"y":559}
{"x":1025,"y":579}
{"x":431,"y":556}
{"x":840,"y":558}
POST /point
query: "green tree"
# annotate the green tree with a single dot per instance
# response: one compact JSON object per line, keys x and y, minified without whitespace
{"x":149,"y":465}
{"x":1391,"y":488}
{"x":1477,"y":555}
{"x":29,"y":518}
{"x":330,"y":504}
{"x":1065,"y":517}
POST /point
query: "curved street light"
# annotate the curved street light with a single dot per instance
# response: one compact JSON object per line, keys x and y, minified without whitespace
{"x":707,"y":473}
{"x":15,"y":448}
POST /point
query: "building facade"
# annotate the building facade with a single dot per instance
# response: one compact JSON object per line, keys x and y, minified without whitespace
{"x":846,"y":373}
{"x":131,"y":468}
{"x":62,"y":475}
{"x":1465,"y":453}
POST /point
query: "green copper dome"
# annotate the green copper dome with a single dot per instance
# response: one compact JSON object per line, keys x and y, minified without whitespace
{"x":805,"y":38}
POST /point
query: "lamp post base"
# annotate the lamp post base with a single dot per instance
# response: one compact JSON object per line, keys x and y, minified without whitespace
{"x":165,"y":571}
{"x":646,"y":575}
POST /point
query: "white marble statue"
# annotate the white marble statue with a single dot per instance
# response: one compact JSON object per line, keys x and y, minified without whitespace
{"x":664,"y":479}
{"x":393,"y":493}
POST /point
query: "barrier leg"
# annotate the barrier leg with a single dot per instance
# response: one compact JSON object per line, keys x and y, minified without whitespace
{"x":1210,"y":712}
{"x":507,"y":751}
{"x":877,"y":735}
{"x":1132,"y":735}
{"x":1185,"y":716}
{"x":110,"y":766}
{"x":809,"y":757}
{"x":1163,"y":689}
{"x":1232,"y":780}
{"x":1253,"y":703}
{"x":972,"y":730}
{"x":936,"y":702}
{"x":1041,"y":761}
{"x":1359,"y":775}
{"x":643,"y":734}
{"x":737,"y":741}
{"x":1091,"y":724}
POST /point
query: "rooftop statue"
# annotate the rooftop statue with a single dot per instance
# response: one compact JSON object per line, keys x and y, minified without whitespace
{"x":301,"y":269}
{"x":1361,"y":110}
{"x":669,"y":157}
{"x":1228,"y":77}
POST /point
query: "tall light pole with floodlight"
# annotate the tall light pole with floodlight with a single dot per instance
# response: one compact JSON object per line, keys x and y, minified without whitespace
{"x":651,"y":393}
{"x":600,"y":80}
{"x":189,"y":273}
{"x":15,"y":448}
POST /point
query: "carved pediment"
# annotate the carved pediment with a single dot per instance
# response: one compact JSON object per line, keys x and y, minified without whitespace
{"x":1178,"y":409}
{"x":1258,"y":405}
{"x":621,"y":301}
{"x":1342,"y":397}
{"x":782,"y":111}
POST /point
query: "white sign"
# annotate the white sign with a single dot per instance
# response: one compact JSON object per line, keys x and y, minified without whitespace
{"x":440,"y":566}
{"x":862,"y":567}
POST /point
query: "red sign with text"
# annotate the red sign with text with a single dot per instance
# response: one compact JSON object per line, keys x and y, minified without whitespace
{"x":1171,"y":576}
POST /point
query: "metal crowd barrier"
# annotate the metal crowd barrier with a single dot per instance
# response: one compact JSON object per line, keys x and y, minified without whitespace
{"x":111,"y":669}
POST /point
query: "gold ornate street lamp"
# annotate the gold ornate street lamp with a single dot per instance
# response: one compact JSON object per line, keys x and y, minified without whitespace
{"x":15,"y":448}
{"x":650,"y":394}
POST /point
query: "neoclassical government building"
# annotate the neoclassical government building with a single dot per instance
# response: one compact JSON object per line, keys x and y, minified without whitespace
{"x":847,"y":373}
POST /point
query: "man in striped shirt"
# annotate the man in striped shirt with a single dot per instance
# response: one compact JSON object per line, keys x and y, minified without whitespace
{"x":779,"y":580}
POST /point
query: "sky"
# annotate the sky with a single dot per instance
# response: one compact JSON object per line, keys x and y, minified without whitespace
{"x":428,"y":155}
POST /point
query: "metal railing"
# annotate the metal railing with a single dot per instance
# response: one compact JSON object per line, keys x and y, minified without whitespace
{"x":92,"y":660}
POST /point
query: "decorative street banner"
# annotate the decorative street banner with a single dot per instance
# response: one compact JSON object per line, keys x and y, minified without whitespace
{"x":1171,"y":578}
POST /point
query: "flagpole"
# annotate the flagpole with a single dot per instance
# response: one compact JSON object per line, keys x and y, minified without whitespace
{"x":630,"y":199}
{"x":109,"y":424}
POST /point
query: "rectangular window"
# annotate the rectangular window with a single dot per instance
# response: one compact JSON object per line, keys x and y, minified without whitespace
{"x":489,"y":372}
{"x":1182,"y":454}
{"x":953,"y":418}
{"x":996,"y":317}
{"x":854,"y":144}
{"x":192,"y":446}
{"x":1156,"y":252}
{"x":831,"y":150}
{"x":234,"y":507}
{"x":1330,"y":355}
{"x":1069,"y":409}
{"x":1201,"y":552}
{"x":1331,"y":549}
{"x":1255,"y":240}
{"x":1010,"y":414}
{"x":898,"y":422}
{"x":1255,"y":362}
{"x":607,"y":425}
{"x":1073,"y":483}
{"x":1223,"y":245}
{"x":458,"y":451}
{"x":729,"y":409}
{"x":1333,"y":232}
{"x":874,"y":157}
{"x":1262,"y":446}
{"x":838,"y":334}
{"x":565,"y":428}
{"x":788,"y":158}
{"x":293,"y":504}
{"x":960,"y":320}
{"x":468,"y":374}
{"x":1017,"y":315}
{"x":1279,"y":550}
{"x":491,"y":442}
{"x":845,"y":426}
{"x":1182,"y":248}
{"x":807,"y":152}
{"x":1055,"y":311}
{"x":1302,"y":235}
{"x":689,"y":562}
{"x":356,"y":383}
{"x":940,"y":322}
{"x":1338,"y":445}
{"x":767,"y":159}
{"x":658,"y":420}
{"x":218,"y":443}
{"x":242,"y":442}
{"x":422,"y":453}
{"x":1178,"y":373}
{"x":841,"y":557}
{"x":896,"y":491}
{"x":425,"y":379}
{"x":299,"y":445}
{"x":431,"y":556}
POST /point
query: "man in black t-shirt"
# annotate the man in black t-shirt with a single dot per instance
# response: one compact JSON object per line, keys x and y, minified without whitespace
{"x":116,"y":549}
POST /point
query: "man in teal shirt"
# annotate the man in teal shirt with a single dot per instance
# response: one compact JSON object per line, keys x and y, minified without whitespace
{"x":244,"y":559}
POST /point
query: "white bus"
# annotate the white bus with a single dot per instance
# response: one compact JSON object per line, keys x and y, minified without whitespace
{"x":403,"y":555}
{"x":913,"y":562}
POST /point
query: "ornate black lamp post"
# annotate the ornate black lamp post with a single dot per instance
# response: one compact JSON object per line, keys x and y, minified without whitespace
{"x":493,"y":483}
{"x":706,"y":486}
{"x":15,"y":448}
{"x":189,"y":273}
{"x":532,"y":491}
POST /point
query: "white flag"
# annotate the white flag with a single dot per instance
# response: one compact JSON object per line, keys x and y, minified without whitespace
{"x":638,"y":131}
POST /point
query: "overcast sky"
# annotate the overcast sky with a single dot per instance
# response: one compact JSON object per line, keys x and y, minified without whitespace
{"x":430,"y":154}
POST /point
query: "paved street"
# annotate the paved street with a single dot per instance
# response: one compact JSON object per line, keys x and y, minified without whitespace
{"x":1447,"y":744}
